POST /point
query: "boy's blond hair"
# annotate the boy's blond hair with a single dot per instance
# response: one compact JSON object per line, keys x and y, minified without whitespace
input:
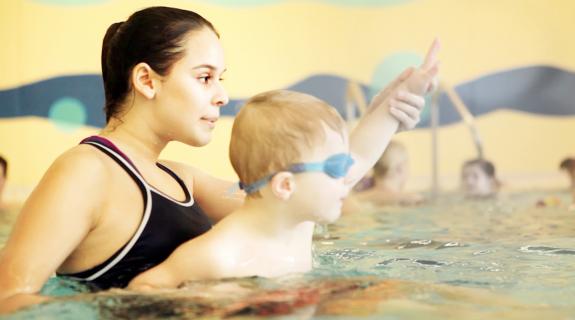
{"x":273,"y":129}
{"x":393,"y":150}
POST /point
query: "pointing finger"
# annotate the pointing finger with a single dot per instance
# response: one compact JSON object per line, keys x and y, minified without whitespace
{"x":431,"y":56}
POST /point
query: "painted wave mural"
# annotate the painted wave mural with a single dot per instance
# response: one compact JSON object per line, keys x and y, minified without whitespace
{"x":79,"y":99}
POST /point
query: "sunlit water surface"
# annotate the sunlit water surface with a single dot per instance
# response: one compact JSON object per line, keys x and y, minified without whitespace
{"x":501,"y":258}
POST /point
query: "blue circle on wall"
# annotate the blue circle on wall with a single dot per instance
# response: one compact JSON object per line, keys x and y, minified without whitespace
{"x":68,"y":113}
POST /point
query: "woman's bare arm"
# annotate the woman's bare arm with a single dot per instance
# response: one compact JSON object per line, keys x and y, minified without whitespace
{"x":54,"y":220}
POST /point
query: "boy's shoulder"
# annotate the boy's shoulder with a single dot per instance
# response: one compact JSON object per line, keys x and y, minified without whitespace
{"x":220,"y":247}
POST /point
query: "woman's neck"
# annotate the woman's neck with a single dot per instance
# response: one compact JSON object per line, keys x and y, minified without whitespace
{"x":134,"y":140}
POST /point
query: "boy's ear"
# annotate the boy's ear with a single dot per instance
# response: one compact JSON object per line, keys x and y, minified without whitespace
{"x":283,"y":185}
{"x":144,"y":80}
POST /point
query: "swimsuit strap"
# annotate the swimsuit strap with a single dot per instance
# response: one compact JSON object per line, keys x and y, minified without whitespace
{"x":178,"y":180}
{"x":111,"y":150}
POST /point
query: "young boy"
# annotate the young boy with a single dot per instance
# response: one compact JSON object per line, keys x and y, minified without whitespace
{"x":296,"y":164}
{"x":478,"y":178}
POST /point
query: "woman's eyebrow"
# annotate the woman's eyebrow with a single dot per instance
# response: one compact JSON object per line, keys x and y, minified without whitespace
{"x":208,"y":66}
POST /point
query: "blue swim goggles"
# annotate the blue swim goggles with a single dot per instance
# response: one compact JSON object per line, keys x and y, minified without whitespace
{"x":336,"y":166}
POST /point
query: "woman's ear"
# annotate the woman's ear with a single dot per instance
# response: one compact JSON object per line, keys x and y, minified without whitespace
{"x":143,"y":80}
{"x":283,"y":185}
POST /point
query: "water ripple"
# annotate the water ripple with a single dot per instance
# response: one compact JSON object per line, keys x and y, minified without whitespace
{"x":414,"y":244}
{"x":349,"y":254}
{"x":547,"y":250}
{"x":418,"y":261}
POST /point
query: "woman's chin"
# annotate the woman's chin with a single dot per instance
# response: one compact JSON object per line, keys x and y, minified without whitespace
{"x":198,"y":141}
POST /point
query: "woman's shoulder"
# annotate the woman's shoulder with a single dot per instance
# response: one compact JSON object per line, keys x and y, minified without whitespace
{"x":82,"y":154}
{"x":79,"y":178}
{"x":81,"y":159}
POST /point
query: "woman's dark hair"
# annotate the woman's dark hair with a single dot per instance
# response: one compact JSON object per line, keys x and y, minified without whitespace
{"x":485,"y":165}
{"x":153,"y":35}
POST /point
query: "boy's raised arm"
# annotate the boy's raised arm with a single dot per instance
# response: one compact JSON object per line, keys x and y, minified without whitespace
{"x":397,"y":107}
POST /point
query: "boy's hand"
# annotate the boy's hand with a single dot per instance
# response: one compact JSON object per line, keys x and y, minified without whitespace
{"x":405,"y":95}
{"x":424,"y":79}
{"x":408,"y":99}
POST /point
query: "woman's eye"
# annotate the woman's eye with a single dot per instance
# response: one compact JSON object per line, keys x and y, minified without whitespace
{"x":205,"y":79}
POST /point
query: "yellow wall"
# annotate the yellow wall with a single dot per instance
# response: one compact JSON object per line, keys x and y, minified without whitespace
{"x":275,"y":45}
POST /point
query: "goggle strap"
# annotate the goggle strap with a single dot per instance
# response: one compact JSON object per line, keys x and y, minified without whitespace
{"x":251,"y":188}
{"x":307,"y":167}
{"x":304,"y":167}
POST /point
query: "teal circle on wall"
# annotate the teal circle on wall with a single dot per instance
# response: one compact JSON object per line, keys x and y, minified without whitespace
{"x":391,"y":67}
{"x":70,"y":2}
{"x":68,"y":114}
{"x":387,"y":70}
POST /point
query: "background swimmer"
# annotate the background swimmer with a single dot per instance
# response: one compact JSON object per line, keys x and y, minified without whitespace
{"x":478,"y":178}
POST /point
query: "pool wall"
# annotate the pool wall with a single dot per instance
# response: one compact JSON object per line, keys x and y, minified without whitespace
{"x":512,"y":62}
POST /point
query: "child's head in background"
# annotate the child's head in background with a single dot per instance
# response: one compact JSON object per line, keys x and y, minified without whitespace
{"x":568,"y":164}
{"x":478,"y":178}
{"x":392,"y":169}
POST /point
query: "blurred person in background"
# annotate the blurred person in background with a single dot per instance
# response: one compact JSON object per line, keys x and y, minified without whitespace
{"x":478,"y":179}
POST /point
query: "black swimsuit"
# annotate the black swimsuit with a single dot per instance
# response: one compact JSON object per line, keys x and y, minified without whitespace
{"x":165,"y":225}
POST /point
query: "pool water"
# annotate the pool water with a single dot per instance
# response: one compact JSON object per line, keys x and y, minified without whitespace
{"x":501,"y":258}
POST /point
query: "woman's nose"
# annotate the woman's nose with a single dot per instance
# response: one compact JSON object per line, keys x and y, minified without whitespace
{"x":220,"y":98}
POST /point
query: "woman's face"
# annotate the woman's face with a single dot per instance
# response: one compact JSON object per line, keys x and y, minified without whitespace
{"x":189,"y":98}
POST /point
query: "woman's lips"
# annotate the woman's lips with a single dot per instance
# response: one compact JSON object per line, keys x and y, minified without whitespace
{"x":211,"y":121}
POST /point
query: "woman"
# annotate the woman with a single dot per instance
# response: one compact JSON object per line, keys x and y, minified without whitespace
{"x":107,"y":209}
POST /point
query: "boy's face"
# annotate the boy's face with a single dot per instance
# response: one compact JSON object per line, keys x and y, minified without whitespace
{"x":320,"y":196}
{"x":475,"y":182}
